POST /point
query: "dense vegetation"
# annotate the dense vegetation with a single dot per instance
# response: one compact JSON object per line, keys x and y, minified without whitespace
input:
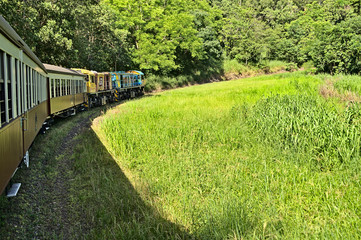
{"x":191,"y":38}
{"x":265,"y":157}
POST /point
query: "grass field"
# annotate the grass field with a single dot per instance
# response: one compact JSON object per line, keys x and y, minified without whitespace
{"x":264,"y":157}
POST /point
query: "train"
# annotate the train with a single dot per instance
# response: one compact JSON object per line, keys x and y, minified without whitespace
{"x":31,"y":93}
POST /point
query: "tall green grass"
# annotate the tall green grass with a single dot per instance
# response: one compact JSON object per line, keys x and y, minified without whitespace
{"x":345,"y":83}
{"x":231,"y":69}
{"x":262,"y":157}
{"x":310,"y":126}
{"x":234,"y":67}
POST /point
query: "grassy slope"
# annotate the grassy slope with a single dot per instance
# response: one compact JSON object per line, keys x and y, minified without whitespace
{"x":193,"y":156}
{"x":211,"y":161}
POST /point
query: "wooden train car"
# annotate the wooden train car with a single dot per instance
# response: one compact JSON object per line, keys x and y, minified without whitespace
{"x":23,"y":101}
{"x":67,"y":90}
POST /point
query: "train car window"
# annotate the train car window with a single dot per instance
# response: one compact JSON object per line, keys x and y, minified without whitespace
{"x":43,"y":88}
{"x":39,"y":87}
{"x":31,"y":74}
{"x":45,"y":91}
{"x":9,"y":88}
{"x":51,"y":87}
{"x":29,"y":89}
{"x":12,"y":78}
{"x":55,"y":87}
{"x":59,"y":88}
{"x":30,"y":93}
{"x":63,"y":84}
{"x":53,"y":91}
{"x":28,"y":99}
{"x":18,"y":86}
{"x":23,"y":87}
{"x":37,"y":100}
{"x":2,"y":90}
{"x":35,"y":88}
{"x":40,"y":94}
{"x":35,"y":83}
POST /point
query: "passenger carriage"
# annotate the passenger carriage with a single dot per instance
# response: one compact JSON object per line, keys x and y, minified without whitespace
{"x":67,"y":90}
{"x":23,"y":101}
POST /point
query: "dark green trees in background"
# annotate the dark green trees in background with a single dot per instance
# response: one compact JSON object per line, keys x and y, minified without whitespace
{"x":174,"y":37}
{"x":69,"y":33}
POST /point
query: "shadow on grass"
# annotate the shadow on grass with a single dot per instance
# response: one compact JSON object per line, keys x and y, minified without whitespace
{"x":110,"y":204}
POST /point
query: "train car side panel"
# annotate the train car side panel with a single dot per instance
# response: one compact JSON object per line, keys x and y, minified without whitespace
{"x":80,"y":98}
{"x":11,"y":150}
{"x":61,"y":103}
{"x":33,"y":122}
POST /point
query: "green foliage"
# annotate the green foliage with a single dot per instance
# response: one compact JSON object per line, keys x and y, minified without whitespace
{"x":178,"y":37}
{"x":245,"y":159}
{"x":69,"y":33}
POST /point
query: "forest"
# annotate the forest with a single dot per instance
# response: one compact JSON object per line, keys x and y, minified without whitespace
{"x":178,"y":37}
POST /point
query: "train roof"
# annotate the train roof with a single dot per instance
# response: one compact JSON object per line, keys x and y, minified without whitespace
{"x":10,"y":34}
{"x":61,"y":70}
{"x":138,"y":72}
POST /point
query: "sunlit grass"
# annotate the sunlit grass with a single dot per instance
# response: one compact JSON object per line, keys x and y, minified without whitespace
{"x":240,"y":159}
